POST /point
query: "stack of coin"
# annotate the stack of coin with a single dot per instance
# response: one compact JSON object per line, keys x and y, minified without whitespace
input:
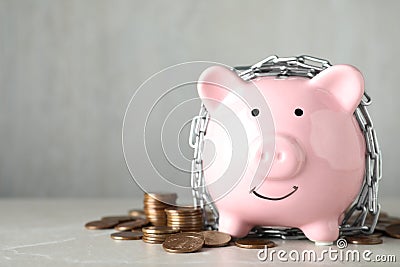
{"x":155,"y":204}
{"x":186,"y":219}
{"x":157,"y":234}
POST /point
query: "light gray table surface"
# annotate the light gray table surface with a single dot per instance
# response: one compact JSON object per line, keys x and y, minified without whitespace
{"x":50,"y":232}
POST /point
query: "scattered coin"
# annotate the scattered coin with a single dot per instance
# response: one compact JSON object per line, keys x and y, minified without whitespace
{"x":183,"y":243}
{"x":127,"y":235}
{"x":179,"y":229}
{"x":383,"y":214}
{"x":376,"y":234}
{"x":254,"y":243}
{"x":120,"y":219}
{"x":137,"y":213}
{"x":393,"y":230}
{"x":130,"y":225}
{"x":381,"y":227}
{"x":389,"y":219}
{"x":102,"y":224}
{"x":215,"y":238}
{"x":364,"y":240}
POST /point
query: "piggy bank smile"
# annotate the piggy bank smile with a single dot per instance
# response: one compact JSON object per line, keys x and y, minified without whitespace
{"x":276,"y":198}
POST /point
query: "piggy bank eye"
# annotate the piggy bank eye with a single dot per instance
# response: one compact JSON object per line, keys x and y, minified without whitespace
{"x":255,"y":112}
{"x":298,"y":112}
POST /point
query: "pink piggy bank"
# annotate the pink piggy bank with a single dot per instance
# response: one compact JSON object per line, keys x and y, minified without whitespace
{"x":319,"y":158}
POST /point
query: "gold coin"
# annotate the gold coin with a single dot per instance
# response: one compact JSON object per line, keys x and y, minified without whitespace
{"x":102,"y":224}
{"x":152,"y":241}
{"x":389,"y":219}
{"x":158,"y":206}
{"x":254,"y":243}
{"x":121,"y":218}
{"x":183,"y":214}
{"x":159,"y":223}
{"x":155,"y":204}
{"x":136,"y":213}
{"x":215,"y":238}
{"x":376,"y":234}
{"x":183,"y":210}
{"x":161,"y":194}
{"x":127,"y":226}
{"x":159,"y":236}
{"x":186,"y":226}
{"x":195,"y":233}
{"x":156,"y":217}
{"x":159,"y":230}
{"x":169,"y":198}
{"x":198,"y":224}
{"x":127,"y":235}
{"x":186,"y":222}
{"x":381,"y":227}
{"x":183,"y":243}
{"x":152,"y":210}
{"x":364,"y":240}
{"x":153,"y":220}
{"x":155,"y":238}
{"x":393,"y":230}
{"x":190,"y":230}
{"x":155,"y":212}
{"x":185,"y":219}
{"x":383,"y":214}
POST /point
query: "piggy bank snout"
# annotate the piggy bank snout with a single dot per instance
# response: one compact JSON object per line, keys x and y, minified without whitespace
{"x":289,"y":158}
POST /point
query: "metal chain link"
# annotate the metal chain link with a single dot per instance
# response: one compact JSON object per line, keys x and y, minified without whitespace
{"x":300,"y":66}
{"x":201,"y":197}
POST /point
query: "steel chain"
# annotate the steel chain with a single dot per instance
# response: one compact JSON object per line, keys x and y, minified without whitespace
{"x":300,"y":66}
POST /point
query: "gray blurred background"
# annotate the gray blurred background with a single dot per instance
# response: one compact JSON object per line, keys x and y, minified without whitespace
{"x":68,"y":69}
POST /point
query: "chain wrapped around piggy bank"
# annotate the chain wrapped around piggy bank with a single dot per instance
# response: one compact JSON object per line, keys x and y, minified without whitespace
{"x":323,"y":174}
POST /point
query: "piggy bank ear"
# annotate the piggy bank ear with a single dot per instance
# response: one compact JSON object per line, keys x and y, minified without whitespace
{"x":344,"y":82}
{"x":215,"y":84}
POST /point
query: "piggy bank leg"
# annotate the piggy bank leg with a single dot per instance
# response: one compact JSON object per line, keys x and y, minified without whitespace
{"x":322,"y":232}
{"x":233,"y":225}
